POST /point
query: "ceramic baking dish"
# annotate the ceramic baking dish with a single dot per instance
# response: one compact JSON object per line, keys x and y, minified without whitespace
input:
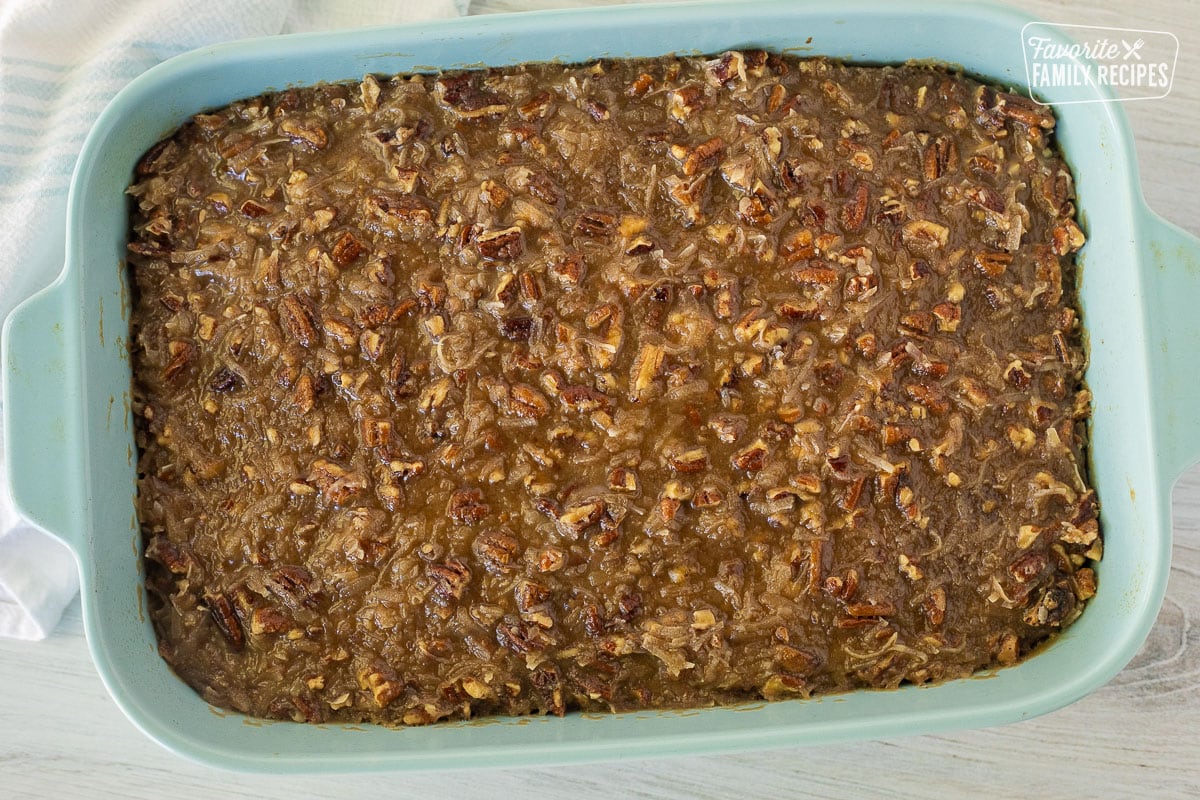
{"x":71,"y":453}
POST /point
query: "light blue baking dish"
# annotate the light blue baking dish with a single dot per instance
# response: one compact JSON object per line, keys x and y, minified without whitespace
{"x":71,"y":453}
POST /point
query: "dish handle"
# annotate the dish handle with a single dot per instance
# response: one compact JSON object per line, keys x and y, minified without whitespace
{"x":40,"y":423}
{"x":1172,"y":256}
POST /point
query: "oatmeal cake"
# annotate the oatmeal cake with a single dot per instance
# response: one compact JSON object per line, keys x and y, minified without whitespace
{"x":633,"y":384}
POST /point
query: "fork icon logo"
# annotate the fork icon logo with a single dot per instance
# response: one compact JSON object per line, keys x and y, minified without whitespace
{"x":1132,"y":49}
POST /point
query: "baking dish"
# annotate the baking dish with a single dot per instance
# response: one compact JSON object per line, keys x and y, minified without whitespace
{"x":69,"y":428}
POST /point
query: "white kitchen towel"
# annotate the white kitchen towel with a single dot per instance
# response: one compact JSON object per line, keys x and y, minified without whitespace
{"x":61,"y":61}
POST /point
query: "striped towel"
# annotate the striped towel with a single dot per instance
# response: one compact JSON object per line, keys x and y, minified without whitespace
{"x":60,"y":64}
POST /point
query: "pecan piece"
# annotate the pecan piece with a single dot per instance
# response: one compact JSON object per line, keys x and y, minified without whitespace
{"x":941,"y":156}
{"x":503,"y":245}
{"x":523,"y":637}
{"x":336,"y":484}
{"x":595,"y":224}
{"x":854,"y":213}
{"x":399,"y":208}
{"x":929,"y":395}
{"x":227,"y":622}
{"x":224,"y":381}
{"x":181,"y":354}
{"x":688,"y":195}
{"x":269,"y":620}
{"x":814,"y":276}
{"x":694,"y":459}
{"x":584,"y":399}
{"x":924,"y":237}
{"x":646,"y":366}
{"x":568,"y":270}
{"x":684,"y":101}
{"x":536,"y":107}
{"x":346,"y":249}
{"x":985,"y":197}
{"x":597,"y":110}
{"x":641,"y":84}
{"x":579,"y":516}
{"x":383,"y":683}
{"x":175,"y":557}
{"x":254,"y":209}
{"x":530,"y":596}
{"x":310,"y":134}
{"x":1016,"y":374}
{"x":622,"y":479}
{"x":916,"y":322}
{"x":466,"y":506}
{"x":934,"y":606}
{"x":726,"y":69}
{"x":462,"y":95}
{"x":528,"y":402}
{"x":449,"y":579}
{"x":751,"y":458}
{"x":295,"y":586}
{"x":704,"y":156}
{"x":496,"y":548}
{"x":299,"y":319}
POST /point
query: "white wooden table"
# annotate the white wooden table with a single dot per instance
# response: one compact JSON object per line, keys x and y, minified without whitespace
{"x":1139,"y":736}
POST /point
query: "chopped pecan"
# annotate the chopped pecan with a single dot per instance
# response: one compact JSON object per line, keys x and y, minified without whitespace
{"x":175,"y":557}
{"x":579,"y":516}
{"x":568,"y":270}
{"x":254,"y":209}
{"x":934,"y":606}
{"x":704,"y":156}
{"x":295,"y":586}
{"x":517,"y":328}
{"x":641,"y":84}
{"x":726,"y":69}
{"x":536,"y":107}
{"x":466,"y":506}
{"x":336,"y":484}
{"x":684,"y":101}
{"x":854,"y":212}
{"x":751,"y":458}
{"x":449,"y":579}
{"x":310,"y":133}
{"x":814,"y":276}
{"x":646,"y":366}
{"x":346,"y":249}
{"x":268,"y":619}
{"x":985,"y":197}
{"x":523,"y":637}
{"x":916,"y":322}
{"x":941,"y":156}
{"x":181,"y":355}
{"x":694,"y":459}
{"x":528,"y":402}
{"x":583,"y":399}
{"x":299,"y":319}
{"x":924,"y":237}
{"x":530,"y":596}
{"x":496,"y":548}
{"x":399,"y":208}
{"x":227,"y":621}
{"x":992,"y":263}
{"x":462,"y":95}
{"x":688,"y":195}
{"x":595,"y":224}
{"x":502,"y":245}
{"x":929,"y":395}
{"x":381,"y":680}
